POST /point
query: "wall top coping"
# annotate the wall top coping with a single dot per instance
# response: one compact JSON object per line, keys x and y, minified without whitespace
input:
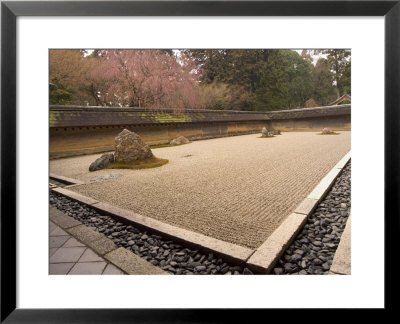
{"x":81,"y":116}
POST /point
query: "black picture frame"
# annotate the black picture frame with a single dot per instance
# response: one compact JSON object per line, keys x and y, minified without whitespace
{"x":10,"y":10}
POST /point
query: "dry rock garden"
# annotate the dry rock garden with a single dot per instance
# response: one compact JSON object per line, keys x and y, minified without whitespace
{"x":311,"y":252}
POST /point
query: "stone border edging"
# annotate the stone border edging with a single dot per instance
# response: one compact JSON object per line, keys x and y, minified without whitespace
{"x":341,"y":264}
{"x":69,"y":181}
{"x":229,"y":251}
{"x":75,"y":196}
{"x":265,"y":257}
{"x":120,"y":257}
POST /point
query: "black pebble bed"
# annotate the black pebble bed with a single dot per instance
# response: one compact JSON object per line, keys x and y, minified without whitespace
{"x":310,"y":253}
{"x":313,"y":249}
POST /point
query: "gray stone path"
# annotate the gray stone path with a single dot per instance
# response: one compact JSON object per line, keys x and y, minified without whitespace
{"x":76,"y":249}
{"x":68,"y":256}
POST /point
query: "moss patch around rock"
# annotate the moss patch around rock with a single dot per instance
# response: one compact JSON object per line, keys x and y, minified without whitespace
{"x":333,"y":133}
{"x":153,"y":162}
{"x":165,"y":145}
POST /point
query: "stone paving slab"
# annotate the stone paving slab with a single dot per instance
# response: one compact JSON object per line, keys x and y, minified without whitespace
{"x":57,"y":241}
{"x":103,"y":246}
{"x":234,"y":189}
{"x":58,"y":232}
{"x":82,"y":254}
{"x":133,"y":264}
{"x":52,"y":226}
{"x":72,"y":242}
{"x":88,"y":268}
{"x":60,"y":268}
{"x":342,"y":260}
{"x":71,"y":254}
{"x":90,"y":256}
{"x":52,"y":251}
{"x":85,"y":234}
{"x":112,"y":270}
{"x":62,"y":219}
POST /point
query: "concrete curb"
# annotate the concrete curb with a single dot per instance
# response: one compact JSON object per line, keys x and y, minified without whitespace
{"x":120,"y":257}
{"x":265,"y":257}
{"x":75,"y":196}
{"x":342,"y":260}
{"x":132,"y":264}
{"x":327,"y":182}
{"x":229,"y":251}
{"x":66,"y":180}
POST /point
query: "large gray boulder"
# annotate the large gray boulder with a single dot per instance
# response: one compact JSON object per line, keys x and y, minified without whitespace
{"x":130,"y":147}
{"x":102,"y":162}
{"x":180,"y":140}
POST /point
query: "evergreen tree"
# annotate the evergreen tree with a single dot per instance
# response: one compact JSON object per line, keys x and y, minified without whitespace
{"x":285,"y":83}
{"x":340,"y":64}
{"x":324,"y":91}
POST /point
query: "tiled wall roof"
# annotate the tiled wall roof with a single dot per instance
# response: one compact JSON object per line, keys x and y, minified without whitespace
{"x":73,"y":116}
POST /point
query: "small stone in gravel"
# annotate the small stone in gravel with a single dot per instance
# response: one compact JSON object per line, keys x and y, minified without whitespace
{"x":290,"y":267}
{"x":317,"y":261}
{"x":224,"y":270}
{"x":247,"y":271}
{"x":295,"y":257}
{"x":277,"y":271}
{"x":298,"y":251}
{"x":326,"y":266}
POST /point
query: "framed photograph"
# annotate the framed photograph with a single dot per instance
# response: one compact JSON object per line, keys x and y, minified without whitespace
{"x":37,"y":33}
